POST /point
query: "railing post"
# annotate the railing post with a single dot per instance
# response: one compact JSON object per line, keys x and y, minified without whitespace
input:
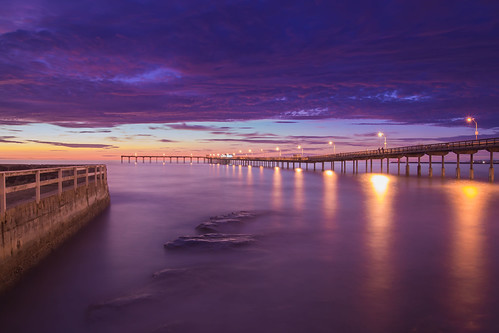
{"x":3,"y":195}
{"x":86,"y":176}
{"x":59,"y":182}
{"x":37,"y":179}
{"x":95,"y":174}
{"x":75,"y":175}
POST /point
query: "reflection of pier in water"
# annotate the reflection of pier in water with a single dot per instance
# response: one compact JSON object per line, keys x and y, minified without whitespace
{"x":459,"y":148}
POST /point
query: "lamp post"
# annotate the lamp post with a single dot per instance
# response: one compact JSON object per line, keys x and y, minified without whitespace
{"x":381,"y":134}
{"x":469,"y":119}
{"x":331,"y":143}
{"x":300,"y":147}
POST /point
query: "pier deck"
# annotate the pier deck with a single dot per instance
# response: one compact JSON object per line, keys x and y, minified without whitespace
{"x":469,"y":147}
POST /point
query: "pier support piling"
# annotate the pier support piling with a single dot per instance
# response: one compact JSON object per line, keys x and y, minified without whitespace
{"x":458,"y":169}
{"x":430,"y":169}
{"x":443,"y":166}
{"x":491,"y":168}
{"x":472,"y":173}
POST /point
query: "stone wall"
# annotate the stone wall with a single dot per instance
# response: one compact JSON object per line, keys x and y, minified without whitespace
{"x":30,"y":231}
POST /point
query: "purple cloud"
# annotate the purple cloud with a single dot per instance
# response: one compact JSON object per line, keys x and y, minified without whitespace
{"x":75,"y":145}
{"x":78,"y":64}
{"x":8,"y":139}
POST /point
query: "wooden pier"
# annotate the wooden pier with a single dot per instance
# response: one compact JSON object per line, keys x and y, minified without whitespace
{"x":440,"y":150}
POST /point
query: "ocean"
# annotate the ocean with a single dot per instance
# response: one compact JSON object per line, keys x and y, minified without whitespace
{"x":252,"y":249}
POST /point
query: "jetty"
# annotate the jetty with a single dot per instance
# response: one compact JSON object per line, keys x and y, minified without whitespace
{"x":398,"y":154}
{"x":41,"y":207}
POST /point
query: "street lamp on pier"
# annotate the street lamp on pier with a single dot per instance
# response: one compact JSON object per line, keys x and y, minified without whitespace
{"x":470,"y":119}
{"x":381,"y":134}
{"x":331,"y":143}
{"x":300,"y":147}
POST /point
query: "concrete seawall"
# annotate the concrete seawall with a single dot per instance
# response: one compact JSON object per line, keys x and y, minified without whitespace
{"x":31,"y":230}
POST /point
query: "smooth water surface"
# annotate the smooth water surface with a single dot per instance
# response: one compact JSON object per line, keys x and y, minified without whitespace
{"x":333,"y":253}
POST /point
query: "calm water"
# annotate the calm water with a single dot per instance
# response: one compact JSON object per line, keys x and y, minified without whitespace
{"x":333,"y":253}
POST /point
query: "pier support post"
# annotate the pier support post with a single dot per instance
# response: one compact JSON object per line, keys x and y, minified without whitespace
{"x":430,"y":169}
{"x":398,"y":166}
{"x":407,"y":166}
{"x":366,"y":166}
{"x":472,"y":173}
{"x":458,"y":169}
{"x":371,"y":165}
{"x":387,"y":165}
{"x":353,"y":166}
{"x":491,"y":168}
{"x":314,"y":166}
{"x":419,"y":166}
{"x":381,"y":164}
{"x":443,"y":166}
{"x":322,"y":166}
{"x":332,"y":165}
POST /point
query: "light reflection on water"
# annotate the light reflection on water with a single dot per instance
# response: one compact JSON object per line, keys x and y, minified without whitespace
{"x":335,"y":253}
{"x":380,"y":191}
{"x":467,"y":257}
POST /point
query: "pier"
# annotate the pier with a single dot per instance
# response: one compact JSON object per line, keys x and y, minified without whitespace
{"x":41,"y":208}
{"x":399,"y":154}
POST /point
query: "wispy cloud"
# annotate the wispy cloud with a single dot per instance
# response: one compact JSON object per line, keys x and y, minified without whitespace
{"x":8,"y":139}
{"x":75,"y":145}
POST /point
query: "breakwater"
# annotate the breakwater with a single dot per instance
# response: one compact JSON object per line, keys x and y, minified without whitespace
{"x":41,"y":208}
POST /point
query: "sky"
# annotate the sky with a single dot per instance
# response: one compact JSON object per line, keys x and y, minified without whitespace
{"x":97,"y":79}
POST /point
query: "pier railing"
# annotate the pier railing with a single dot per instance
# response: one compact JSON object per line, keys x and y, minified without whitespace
{"x":12,"y":182}
{"x":456,"y":146}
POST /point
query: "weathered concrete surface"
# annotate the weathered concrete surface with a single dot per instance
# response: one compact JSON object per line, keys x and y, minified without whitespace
{"x":30,"y":231}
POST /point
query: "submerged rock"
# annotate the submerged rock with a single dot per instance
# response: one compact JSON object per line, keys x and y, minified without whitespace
{"x":123,"y":301}
{"x":108,"y":308}
{"x":169,"y":272}
{"x":211,"y":241}
{"x":215,"y":222}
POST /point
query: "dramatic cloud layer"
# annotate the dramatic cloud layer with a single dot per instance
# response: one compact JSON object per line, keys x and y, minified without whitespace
{"x":102,"y":63}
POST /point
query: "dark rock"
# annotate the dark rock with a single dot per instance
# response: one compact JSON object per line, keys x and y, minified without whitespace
{"x":212,"y":241}
{"x":215,"y":222}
